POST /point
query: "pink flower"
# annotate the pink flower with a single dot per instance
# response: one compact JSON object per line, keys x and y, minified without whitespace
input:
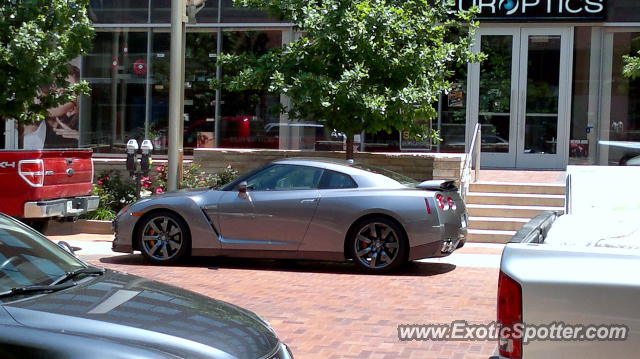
{"x":159,"y":190}
{"x":145,"y":185}
{"x":100,"y":182}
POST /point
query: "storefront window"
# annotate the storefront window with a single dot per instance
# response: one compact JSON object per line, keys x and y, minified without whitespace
{"x":581,"y":143}
{"x":231,"y":14}
{"x":622,"y":119}
{"x":119,"y":11}
{"x":453,"y":114}
{"x":495,"y":93}
{"x":250,"y":119}
{"x":116,"y":70}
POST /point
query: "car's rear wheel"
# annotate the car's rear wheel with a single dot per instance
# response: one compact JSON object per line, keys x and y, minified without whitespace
{"x":163,"y":238}
{"x":378,"y":245}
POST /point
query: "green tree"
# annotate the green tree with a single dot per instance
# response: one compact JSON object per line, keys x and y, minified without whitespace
{"x":38,"y":38}
{"x":359,"y":65}
{"x":632,"y":66}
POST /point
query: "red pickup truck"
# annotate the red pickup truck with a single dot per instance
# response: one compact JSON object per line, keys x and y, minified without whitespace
{"x":36,"y":186}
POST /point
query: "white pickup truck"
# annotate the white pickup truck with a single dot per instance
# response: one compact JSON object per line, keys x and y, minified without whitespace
{"x":579,"y":270}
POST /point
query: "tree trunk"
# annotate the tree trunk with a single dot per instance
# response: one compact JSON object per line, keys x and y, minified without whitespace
{"x":349,"y":144}
{"x":20,"y":128}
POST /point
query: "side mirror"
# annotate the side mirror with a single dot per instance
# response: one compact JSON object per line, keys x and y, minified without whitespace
{"x":242,"y":187}
{"x":67,"y":247}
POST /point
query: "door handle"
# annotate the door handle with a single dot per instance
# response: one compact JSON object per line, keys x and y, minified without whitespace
{"x":309,"y":200}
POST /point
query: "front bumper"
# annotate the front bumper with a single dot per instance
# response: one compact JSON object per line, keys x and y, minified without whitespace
{"x":64,"y":207}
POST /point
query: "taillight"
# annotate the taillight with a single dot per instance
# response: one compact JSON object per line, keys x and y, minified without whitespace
{"x":440,"y":201}
{"x":32,"y":172}
{"x":509,"y":314}
{"x":451,"y":203}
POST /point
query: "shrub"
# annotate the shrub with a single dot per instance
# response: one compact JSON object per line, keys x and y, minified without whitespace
{"x":193,"y":177}
{"x":115,"y":192}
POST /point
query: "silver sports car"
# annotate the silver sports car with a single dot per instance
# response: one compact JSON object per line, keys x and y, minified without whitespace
{"x":303,"y":209}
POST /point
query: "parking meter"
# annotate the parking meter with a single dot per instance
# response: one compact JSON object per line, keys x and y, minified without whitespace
{"x":145,"y":161}
{"x":132,"y":148}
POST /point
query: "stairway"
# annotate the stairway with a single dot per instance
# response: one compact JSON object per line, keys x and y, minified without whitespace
{"x":497,"y":210}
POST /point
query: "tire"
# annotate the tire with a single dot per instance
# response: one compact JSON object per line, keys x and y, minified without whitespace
{"x":383,"y":251}
{"x":163,"y":238}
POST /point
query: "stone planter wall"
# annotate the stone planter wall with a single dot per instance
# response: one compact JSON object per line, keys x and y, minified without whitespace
{"x":421,"y":166}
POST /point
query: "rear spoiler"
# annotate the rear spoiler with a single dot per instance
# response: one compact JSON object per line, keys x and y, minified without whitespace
{"x":536,"y":230}
{"x":438,"y":185}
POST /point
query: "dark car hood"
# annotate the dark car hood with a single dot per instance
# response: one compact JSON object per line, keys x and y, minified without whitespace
{"x":127,"y":309}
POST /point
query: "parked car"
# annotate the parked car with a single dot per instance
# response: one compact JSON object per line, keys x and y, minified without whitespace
{"x":44,"y":184}
{"x":53,"y":305}
{"x":301,"y":208}
{"x":578,"y":268}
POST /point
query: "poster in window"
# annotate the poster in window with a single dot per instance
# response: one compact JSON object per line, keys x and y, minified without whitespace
{"x":60,"y":129}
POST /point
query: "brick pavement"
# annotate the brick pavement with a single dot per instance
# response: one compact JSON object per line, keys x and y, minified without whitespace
{"x":330,"y":310}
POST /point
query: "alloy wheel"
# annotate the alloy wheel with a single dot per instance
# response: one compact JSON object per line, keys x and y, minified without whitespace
{"x":162,"y":238}
{"x":377,"y":245}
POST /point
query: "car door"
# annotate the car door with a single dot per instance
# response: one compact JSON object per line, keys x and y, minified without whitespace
{"x":275,"y":211}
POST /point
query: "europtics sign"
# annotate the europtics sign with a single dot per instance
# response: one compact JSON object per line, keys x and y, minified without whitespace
{"x":537,"y":10}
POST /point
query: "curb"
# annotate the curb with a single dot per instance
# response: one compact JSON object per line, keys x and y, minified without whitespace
{"x":89,"y":226}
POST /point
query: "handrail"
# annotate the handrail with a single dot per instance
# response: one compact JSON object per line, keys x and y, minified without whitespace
{"x":472,"y":156}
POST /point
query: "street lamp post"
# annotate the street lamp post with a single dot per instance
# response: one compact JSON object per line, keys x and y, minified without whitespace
{"x":176,"y":93}
{"x":179,"y":11}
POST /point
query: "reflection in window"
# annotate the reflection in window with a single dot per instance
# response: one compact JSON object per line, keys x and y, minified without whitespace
{"x":246,"y":116}
{"x":285,"y":178}
{"x":624,"y":112}
{"x":116,"y":70}
{"x":119,"y":11}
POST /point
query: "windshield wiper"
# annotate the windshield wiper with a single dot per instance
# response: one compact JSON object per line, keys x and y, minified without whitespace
{"x":77,"y":272}
{"x":36,"y":289}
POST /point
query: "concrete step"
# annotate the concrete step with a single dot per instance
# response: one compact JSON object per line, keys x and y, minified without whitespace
{"x":516,"y":199}
{"x":507,"y":211}
{"x":528,"y":188}
{"x":488,"y":236}
{"x":496,"y":223}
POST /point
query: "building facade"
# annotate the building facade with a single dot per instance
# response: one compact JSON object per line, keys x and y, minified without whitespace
{"x":551,"y":92}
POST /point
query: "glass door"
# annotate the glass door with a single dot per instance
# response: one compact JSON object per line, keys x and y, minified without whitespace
{"x":543,"y":118}
{"x":520,"y":95}
{"x":494,"y":86}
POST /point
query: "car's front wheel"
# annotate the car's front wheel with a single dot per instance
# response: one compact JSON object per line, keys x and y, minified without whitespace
{"x":378,"y":245}
{"x":163,"y":238}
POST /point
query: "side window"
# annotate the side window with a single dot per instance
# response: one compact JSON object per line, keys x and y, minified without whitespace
{"x":336,"y":180}
{"x":285,"y":178}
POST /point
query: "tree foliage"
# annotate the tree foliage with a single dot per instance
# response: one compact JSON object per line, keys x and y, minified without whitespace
{"x":632,"y":66}
{"x":372,"y":65}
{"x":38,"y":38}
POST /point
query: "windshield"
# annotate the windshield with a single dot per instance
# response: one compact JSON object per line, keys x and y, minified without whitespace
{"x":28,"y":258}
{"x":407,"y":181}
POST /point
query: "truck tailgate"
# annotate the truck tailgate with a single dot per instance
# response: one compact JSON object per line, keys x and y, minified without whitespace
{"x":39,"y":175}
{"x":577,"y":286}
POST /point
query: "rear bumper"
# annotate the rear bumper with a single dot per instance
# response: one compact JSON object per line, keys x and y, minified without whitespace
{"x":440,"y":248}
{"x":64,"y":207}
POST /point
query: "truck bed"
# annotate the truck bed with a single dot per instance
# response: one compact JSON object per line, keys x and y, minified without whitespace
{"x":579,"y":272}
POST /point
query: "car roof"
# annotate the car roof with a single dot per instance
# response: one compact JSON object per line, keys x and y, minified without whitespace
{"x":363,"y":177}
{"x":322,"y":162}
